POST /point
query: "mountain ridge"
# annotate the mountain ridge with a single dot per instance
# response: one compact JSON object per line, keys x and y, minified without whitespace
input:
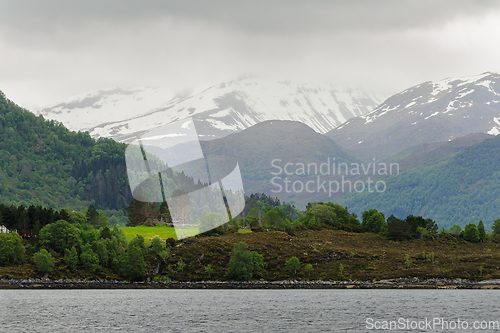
{"x":432,"y":111}
{"x":220,"y":109}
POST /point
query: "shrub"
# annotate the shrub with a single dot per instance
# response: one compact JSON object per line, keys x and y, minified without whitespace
{"x":164,"y":254}
{"x":170,"y":242}
{"x":209,"y":270}
{"x":408,"y":261}
{"x":308,"y":269}
{"x":180,"y":266}
{"x":455,"y":230}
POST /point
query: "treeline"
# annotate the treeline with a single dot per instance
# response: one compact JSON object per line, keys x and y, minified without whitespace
{"x":454,"y":191}
{"x":28,"y":221}
{"x":265,"y":212}
{"x":83,"y":245}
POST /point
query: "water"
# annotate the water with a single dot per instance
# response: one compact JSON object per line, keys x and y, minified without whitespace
{"x":239,"y":310}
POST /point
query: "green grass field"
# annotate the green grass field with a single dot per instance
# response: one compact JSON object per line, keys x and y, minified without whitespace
{"x":161,"y":230}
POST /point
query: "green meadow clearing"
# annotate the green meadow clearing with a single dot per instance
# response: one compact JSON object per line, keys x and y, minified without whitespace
{"x":161,"y":230}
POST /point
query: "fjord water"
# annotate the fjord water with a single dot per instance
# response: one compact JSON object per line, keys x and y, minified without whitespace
{"x":235,"y":310}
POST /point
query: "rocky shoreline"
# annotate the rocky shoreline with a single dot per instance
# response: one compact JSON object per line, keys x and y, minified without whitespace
{"x":400,"y":283}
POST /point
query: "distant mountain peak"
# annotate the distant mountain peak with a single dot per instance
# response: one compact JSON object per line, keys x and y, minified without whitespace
{"x":429,"y":112}
{"x":85,"y":111}
{"x":221,"y":109}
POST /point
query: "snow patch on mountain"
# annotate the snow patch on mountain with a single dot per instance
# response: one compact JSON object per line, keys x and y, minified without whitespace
{"x":85,"y":111}
{"x":465,"y":92}
{"x":429,"y":112}
{"x":219,"y":110}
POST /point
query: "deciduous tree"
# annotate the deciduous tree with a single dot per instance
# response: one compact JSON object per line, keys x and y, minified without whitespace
{"x":241,"y":263}
{"x":71,"y":257}
{"x":11,"y":248}
{"x":293,"y":264}
{"x":44,"y":261}
{"x":471,"y":233}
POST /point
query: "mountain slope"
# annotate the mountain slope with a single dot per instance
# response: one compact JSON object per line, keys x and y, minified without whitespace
{"x":288,"y":141}
{"x":428,"y":153}
{"x":43,"y":163}
{"x":220,"y":110}
{"x":430,"y":112}
{"x":264,"y":149}
{"x":458,"y":190}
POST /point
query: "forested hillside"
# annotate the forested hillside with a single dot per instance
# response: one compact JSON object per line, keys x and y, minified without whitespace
{"x":457,"y":190}
{"x":43,"y":163}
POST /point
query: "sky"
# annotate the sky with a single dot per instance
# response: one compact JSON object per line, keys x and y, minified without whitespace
{"x":50,"y":50}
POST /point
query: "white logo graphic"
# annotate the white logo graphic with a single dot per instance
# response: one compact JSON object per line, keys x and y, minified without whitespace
{"x":168,"y":164}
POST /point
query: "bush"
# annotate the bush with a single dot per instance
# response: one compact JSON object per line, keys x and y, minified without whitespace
{"x":220,"y":230}
{"x":495,"y":238}
{"x":170,"y":242}
{"x":308,"y":269}
{"x":44,"y":261}
{"x":455,"y":230}
{"x":209,"y":270}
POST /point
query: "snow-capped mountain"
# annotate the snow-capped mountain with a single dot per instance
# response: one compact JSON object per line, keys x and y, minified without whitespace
{"x":86,"y":111}
{"x":219,"y":110}
{"x":433,"y":111}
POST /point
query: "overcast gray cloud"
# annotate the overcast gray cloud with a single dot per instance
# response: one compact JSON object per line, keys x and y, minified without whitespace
{"x":53,"y":49}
